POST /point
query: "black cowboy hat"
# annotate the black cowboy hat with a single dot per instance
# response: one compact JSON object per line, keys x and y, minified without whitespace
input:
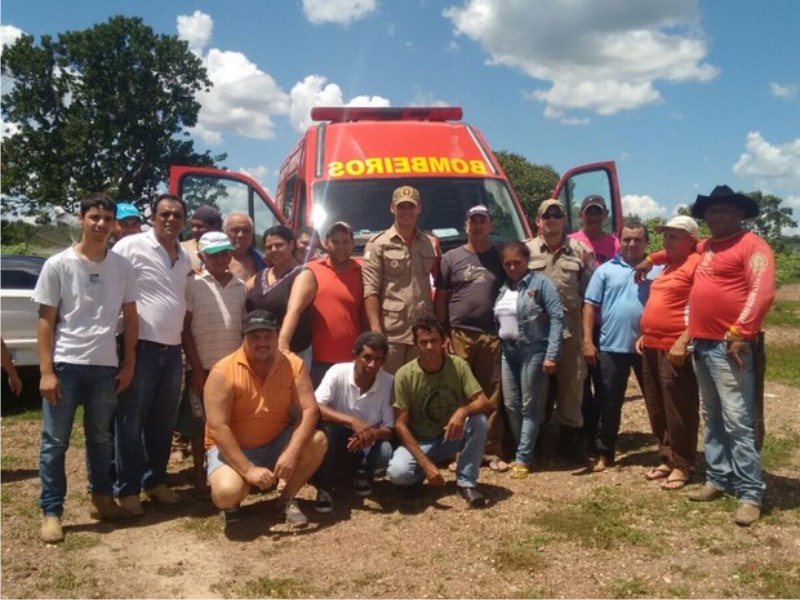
{"x":722,"y":193}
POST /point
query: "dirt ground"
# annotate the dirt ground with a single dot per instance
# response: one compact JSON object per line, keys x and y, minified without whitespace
{"x":554,"y":534}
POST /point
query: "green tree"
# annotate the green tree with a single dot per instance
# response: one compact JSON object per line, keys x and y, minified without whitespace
{"x":532,"y":183}
{"x":771,"y":220}
{"x":101,"y":109}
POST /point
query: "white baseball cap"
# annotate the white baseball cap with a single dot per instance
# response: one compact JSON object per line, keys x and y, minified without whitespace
{"x":213,"y":242}
{"x":682,"y":222}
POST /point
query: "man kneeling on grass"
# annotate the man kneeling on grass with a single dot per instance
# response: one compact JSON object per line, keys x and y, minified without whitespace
{"x":355,"y":401}
{"x":248,"y":397}
{"x":440,"y":410}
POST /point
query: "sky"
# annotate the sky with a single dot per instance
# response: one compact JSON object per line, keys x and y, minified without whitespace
{"x":683,"y":94}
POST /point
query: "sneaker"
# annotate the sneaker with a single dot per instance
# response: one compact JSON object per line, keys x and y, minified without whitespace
{"x":163,"y":494}
{"x":293,"y":515}
{"x":361,"y":486}
{"x":132,"y":504}
{"x":472,"y":496}
{"x":324,"y":503}
{"x":746,"y":514}
{"x":705,"y":493}
{"x":51,"y":531}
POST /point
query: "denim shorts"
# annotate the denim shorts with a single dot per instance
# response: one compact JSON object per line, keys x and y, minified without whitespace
{"x":261,"y":456}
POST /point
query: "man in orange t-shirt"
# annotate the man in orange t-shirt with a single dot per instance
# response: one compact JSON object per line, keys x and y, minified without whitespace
{"x":250,"y":440}
{"x":734,"y":286}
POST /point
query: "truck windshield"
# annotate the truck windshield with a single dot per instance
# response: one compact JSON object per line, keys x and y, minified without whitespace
{"x":364,"y":203}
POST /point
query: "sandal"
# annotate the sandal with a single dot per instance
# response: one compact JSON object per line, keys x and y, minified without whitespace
{"x":662,"y":471}
{"x":519,"y":471}
{"x":498,"y":465}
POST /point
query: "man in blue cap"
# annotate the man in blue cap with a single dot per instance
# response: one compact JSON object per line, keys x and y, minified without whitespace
{"x":129,"y":221}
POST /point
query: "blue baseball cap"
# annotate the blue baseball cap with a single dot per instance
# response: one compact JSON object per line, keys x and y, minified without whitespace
{"x":126,"y":209}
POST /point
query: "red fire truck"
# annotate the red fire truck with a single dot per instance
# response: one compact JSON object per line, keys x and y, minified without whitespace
{"x":346,"y":165}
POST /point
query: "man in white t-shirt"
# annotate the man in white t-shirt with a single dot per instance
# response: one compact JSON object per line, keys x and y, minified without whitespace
{"x":80,"y":293}
{"x":212,"y":329}
{"x":355,"y":403}
{"x":149,"y":408}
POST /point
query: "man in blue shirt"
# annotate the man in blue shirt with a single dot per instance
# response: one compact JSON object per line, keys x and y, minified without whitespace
{"x":620,"y":300}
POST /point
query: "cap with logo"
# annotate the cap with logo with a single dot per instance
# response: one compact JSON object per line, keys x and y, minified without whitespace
{"x":594,"y":200}
{"x":405,"y":193}
{"x":548,"y":203}
{"x":213,"y":242}
{"x":126,"y":210}
{"x":479,"y":209}
{"x":682,"y":222}
{"x":259,"y":319}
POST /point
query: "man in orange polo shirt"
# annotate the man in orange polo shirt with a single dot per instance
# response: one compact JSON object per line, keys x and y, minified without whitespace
{"x":249,"y":439}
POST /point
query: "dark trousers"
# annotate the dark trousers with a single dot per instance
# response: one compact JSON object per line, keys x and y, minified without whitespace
{"x":615,"y":368}
{"x":590,"y":407}
{"x":360,"y":463}
{"x":672,"y":400}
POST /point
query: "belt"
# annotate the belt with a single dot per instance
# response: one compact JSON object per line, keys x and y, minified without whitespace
{"x":155,"y":346}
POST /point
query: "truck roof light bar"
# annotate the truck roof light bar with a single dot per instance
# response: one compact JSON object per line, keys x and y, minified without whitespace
{"x":341,"y":114}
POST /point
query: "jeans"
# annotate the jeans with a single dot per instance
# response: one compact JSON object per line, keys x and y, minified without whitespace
{"x":145,"y":418}
{"x":365,"y":461}
{"x":615,"y":368}
{"x":404,"y":469}
{"x":94,"y":387}
{"x":727,"y":395}
{"x":524,"y":390}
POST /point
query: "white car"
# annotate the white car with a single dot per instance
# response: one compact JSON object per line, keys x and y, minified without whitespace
{"x":18,"y":276}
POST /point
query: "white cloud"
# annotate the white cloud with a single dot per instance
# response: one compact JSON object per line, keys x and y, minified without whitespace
{"x":602,"y":57}
{"x":341,"y":12}
{"x":243,"y":99}
{"x":643,"y":206}
{"x":195,"y":29}
{"x":783,"y":91}
{"x":9,"y":34}
{"x":773,"y":166}
{"x":426,"y":98}
{"x":315,"y":91}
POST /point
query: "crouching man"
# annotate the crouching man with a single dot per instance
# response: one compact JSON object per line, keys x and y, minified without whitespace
{"x":355,"y":401}
{"x":440,"y":410}
{"x":248,"y":397}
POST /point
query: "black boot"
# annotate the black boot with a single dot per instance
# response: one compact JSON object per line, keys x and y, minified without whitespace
{"x":571,"y":445}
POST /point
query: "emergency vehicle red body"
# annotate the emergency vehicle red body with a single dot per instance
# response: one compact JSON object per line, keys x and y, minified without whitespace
{"x":346,"y":165}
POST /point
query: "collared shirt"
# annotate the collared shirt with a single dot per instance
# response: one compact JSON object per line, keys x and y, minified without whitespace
{"x":260,"y":410}
{"x":570,"y":268}
{"x":399,"y":274}
{"x":340,"y":392}
{"x":162,"y":286}
{"x":621,"y":301}
{"x":217,"y":313}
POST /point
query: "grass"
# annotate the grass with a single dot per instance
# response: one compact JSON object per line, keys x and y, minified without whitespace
{"x":779,"y":450}
{"x":772,"y":581}
{"x":266,"y":587}
{"x":523,"y":554}
{"x":784,"y":312}
{"x":630,"y":587}
{"x":783,"y":364}
{"x":602,"y":520}
{"x":204,"y":528}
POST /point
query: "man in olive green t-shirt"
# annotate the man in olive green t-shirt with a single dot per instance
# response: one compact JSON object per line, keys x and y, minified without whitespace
{"x":440,"y":410}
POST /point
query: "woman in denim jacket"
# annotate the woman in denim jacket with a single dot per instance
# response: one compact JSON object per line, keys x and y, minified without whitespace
{"x":531,"y":324}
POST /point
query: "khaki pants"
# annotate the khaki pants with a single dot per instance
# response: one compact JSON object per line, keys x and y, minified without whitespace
{"x":482,"y":353}
{"x":570,"y":373}
{"x":399,"y":354}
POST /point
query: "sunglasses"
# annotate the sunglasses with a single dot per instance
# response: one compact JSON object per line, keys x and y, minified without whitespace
{"x":553,"y":215}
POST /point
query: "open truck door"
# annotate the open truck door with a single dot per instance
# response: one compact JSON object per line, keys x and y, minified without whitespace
{"x":228,"y":191}
{"x":596,"y":178}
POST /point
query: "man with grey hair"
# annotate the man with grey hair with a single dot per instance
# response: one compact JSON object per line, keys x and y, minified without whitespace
{"x":246,"y":261}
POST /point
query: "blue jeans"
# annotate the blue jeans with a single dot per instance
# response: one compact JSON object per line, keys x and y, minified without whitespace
{"x":404,"y":469}
{"x":94,"y":387}
{"x":727,"y":396}
{"x":524,"y":390}
{"x":615,"y":368}
{"x":365,"y":461}
{"x":145,"y":418}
